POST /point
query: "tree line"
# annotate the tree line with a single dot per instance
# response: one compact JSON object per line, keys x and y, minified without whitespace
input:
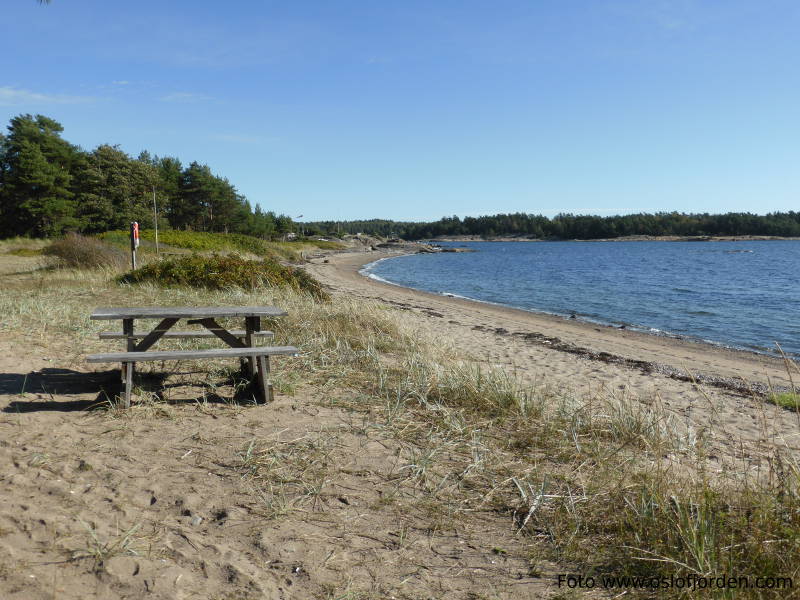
{"x":49,"y":186}
{"x":578,"y":227}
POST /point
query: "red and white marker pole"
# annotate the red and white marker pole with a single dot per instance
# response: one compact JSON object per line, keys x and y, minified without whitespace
{"x":134,"y":242}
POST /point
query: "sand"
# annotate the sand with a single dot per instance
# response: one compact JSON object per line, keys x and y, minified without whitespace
{"x":156,"y":503}
{"x":708,"y":388}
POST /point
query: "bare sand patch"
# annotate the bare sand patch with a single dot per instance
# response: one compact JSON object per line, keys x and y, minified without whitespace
{"x":293,"y":500}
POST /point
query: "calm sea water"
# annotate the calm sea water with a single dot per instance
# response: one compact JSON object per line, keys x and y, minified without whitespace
{"x":738,"y":294}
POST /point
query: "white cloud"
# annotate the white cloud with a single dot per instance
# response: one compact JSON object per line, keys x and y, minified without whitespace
{"x":185,"y":97}
{"x":121,"y":82}
{"x":11,"y":96}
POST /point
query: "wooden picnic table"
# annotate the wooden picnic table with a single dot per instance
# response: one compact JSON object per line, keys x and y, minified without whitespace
{"x":241,"y":342}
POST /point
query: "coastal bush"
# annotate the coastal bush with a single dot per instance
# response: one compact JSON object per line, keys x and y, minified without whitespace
{"x":198,"y":241}
{"x":78,"y":252}
{"x":218,"y":272}
{"x":202,"y":241}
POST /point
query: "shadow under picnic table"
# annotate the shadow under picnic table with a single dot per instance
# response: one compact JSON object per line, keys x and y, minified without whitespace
{"x":105,"y":385}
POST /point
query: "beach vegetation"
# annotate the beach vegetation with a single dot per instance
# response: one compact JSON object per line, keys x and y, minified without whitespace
{"x":79,"y":252}
{"x":101,"y":548}
{"x":25,"y":252}
{"x":221,"y":272}
{"x":204,"y":241}
{"x":789,"y":400}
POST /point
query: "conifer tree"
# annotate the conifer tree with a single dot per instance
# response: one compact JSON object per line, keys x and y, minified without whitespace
{"x":37,"y":163}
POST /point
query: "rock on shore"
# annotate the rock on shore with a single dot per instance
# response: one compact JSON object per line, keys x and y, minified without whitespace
{"x":419,"y":248}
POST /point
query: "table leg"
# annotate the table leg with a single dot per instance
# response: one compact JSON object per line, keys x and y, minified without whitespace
{"x":127,"y":330}
{"x":152,"y":337}
{"x":264,"y":384}
{"x":128,"y":368}
{"x":251,"y":324}
{"x":219,"y":331}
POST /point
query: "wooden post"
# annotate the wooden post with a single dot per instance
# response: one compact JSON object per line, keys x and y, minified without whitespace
{"x":134,"y":242}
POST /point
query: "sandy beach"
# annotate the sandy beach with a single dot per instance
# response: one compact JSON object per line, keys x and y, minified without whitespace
{"x":708,"y":388}
{"x":330,"y":491}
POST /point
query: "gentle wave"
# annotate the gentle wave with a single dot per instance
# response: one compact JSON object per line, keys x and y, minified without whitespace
{"x":366,"y":272}
{"x":661,"y":288}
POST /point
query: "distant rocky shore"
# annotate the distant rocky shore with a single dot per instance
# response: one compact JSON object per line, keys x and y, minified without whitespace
{"x":418,"y":248}
{"x":627,"y":238}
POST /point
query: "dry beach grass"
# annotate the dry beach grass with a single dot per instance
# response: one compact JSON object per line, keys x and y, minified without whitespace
{"x":409,"y":455}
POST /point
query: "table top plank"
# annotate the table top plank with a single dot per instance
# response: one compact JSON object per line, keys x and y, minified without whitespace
{"x":195,"y":333}
{"x":191,"y":354}
{"x":186,"y":312}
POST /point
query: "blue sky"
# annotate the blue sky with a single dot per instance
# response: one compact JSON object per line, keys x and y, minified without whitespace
{"x":417,"y":109}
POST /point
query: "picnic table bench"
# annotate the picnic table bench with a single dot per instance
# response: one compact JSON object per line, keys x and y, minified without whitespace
{"x":241,"y":343}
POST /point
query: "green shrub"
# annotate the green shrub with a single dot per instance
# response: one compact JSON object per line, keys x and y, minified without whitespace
{"x":78,"y":252}
{"x":202,"y":241}
{"x":25,"y":252}
{"x":221,"y":272}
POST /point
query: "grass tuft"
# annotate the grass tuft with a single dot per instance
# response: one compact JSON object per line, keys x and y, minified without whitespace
{"x":101,"y":550}
{"x":78,"y":252}
{"x":786,"y":400}
{"x":25,"y":252}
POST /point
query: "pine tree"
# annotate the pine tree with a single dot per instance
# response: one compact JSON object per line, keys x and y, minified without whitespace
{"x":37,"y":199}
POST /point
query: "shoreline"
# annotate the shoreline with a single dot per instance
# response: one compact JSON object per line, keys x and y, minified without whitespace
{"x":626,"y":238}
{"x":739,"y":370}
{"x":620,"y":325}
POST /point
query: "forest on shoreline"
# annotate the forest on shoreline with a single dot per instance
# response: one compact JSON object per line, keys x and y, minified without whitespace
{"x":576,"y":227}
{"x":49,"y":186}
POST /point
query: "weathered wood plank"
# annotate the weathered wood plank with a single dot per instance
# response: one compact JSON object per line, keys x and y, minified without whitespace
{"x":219,"y":331}
{"x":152,"y":337}
{"x":129,"y":357}
{"x":186,"y":312}
{"x":198,"y":333}
{"x":128,"y":383}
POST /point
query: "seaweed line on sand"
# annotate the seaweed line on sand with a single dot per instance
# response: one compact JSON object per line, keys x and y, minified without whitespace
{"x":731,"y":384}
